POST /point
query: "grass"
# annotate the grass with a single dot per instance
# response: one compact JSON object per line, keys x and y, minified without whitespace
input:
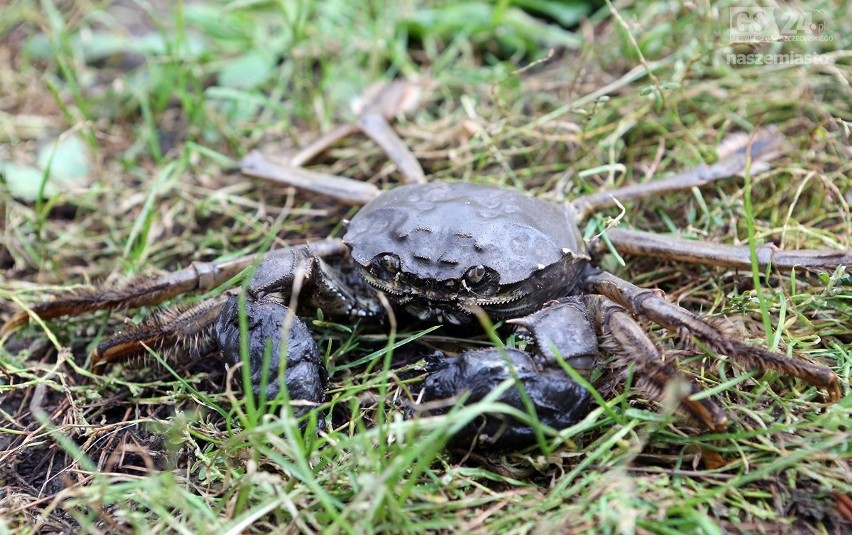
{"x":165,"y":106}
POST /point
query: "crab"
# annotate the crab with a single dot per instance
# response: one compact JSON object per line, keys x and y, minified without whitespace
{"x":464,"y":255}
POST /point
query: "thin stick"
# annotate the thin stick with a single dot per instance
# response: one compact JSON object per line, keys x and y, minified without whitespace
{"x":640,"y":243}
{"x":764,"y":146}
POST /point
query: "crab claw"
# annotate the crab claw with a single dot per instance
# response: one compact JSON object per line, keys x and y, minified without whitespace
{"x":558,"y":401}
{"x":565,"y":327}
{"x":304,"y":375}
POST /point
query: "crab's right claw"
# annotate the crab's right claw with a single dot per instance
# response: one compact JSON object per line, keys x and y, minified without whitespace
{"x":302,"y":372}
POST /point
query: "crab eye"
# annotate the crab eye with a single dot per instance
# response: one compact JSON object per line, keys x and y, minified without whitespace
{"x":475,"y":275}
{"x":386,"y":264}
{"x":481,"y":281}
{"x":390,"y":263}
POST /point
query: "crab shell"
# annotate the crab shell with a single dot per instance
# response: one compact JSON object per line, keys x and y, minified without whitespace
{"x":532,"y":250}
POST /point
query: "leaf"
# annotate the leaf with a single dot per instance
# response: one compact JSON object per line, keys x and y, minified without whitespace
{"x":67,"y":159}
{"x":68,"y":162}
{"x":483,"y":24}
{"x":218,"y":24}
{"x":96,"y":45}
{"x":24,"y":181}
{"x":566,"y":12}
{"x":248,"y":71}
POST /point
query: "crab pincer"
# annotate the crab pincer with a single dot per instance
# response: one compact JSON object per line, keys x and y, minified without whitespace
{"x":539,"y":381}
{"x":281,"y":353}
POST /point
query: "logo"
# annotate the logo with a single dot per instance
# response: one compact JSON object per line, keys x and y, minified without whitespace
{"x":764,"y":24}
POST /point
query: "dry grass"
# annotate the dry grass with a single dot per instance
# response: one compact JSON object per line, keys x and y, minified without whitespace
{"x":135,"y":451}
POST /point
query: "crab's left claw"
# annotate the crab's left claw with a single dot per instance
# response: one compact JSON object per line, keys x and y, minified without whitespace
{"x":558,"y":401}
{"x":281,"y":351}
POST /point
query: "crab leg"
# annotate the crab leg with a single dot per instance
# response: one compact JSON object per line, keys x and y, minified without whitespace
{"x":346,"y":190}
{"x":285,"y":278}
{"x":649,"y":304}
{"x":641,"y":243}
{"x":321,"y":144}
{"x":199,"y":276}
{"x":567,"y":327}
{"x":380,"y":131}
{"x":133,"y":294}
{"x":736,"y":153}
{"x":278,"y":348}
{"x":380,"y":103}
{"x":167,"y":329}
{"x":629,"y":343}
